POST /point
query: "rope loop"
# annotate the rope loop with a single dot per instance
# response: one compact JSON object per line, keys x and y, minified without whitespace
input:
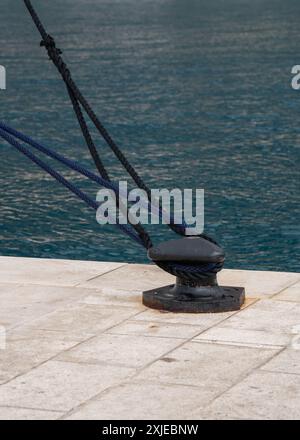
{"x":190,"y":272}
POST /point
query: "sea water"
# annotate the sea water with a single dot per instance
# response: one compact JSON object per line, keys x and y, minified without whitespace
{"x":197,"y":94}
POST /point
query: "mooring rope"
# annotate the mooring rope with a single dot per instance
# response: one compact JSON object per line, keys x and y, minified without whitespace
{"x":184,"y":270}
{"x":73,"y":165}
{"x":12,"y":136}
{"x":78,"y":99}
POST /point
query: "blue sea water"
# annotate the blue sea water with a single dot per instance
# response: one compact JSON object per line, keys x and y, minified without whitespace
{"x":197,"y":93}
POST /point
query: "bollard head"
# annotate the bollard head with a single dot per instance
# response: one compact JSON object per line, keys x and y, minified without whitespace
{"x":195,"y":262}
{"x":188,"y":249}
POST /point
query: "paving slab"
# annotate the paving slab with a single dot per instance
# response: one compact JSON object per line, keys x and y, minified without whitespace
{"x":143,"y":401}
{"x":267,"y":322}
{"x":155,"y":329}
{"x":83,"y":319}
{"x":212,"y":366}
{"x":15,"y":413}
{"x":292,"y":293}
{"x":260,"y":396}
{"x":125,"y":350}
{"x":109,"y":296}
{"x":132,"y":277}
{"x":60,"y":386}
{"x":23,"y":303}
{"x":27,"y":348}
{"x":51,"y":272}
{"x":243,"y":337}
{"x":258,"y":284}
{"x":288,"y":361}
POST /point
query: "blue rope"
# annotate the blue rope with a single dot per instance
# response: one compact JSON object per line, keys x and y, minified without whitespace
{"x":75,"y":166}
{"x":54,"y":155}
{"x":88,"y":200}
{"x":7,"y":132}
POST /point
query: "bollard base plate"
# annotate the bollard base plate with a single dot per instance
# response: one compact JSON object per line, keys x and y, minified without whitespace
{"x":207,"y":299}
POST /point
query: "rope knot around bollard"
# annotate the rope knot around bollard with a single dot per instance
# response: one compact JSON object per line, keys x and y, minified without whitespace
{"x":195,"y":262}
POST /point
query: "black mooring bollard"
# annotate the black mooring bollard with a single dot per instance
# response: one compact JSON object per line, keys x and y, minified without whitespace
{"x":192,"y":294}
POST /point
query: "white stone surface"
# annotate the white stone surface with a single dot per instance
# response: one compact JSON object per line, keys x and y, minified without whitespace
{"x":288,"y":361}
{"x":155,"y":329}
{"x":15,"y":413}
{"x":258,"y":284}
{"x":143,"y":401}
{"x":59,"y":386}
{"x":129,"y":351}
{"x":260,"y":396}
{"x":292,"y":293}
{"x":51,"y":272}
{"x":134,"y":277}
{"x":27,"y":348}
{"x":212,"y":366}
{"x":82,"y":319}
{"x":76,"y":342}
{"x":264,"y":323}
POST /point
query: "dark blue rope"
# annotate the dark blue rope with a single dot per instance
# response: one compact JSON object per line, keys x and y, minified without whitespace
{"x":72,"y":164}
{"x":54,"y":155}
{"x":7,"y":132}
{"x":88,"y":200}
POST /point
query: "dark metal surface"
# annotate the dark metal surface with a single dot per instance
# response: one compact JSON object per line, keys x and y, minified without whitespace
{"x":188,"y":249}
{"x":201,"y":299}
{"x":198,"y":291}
